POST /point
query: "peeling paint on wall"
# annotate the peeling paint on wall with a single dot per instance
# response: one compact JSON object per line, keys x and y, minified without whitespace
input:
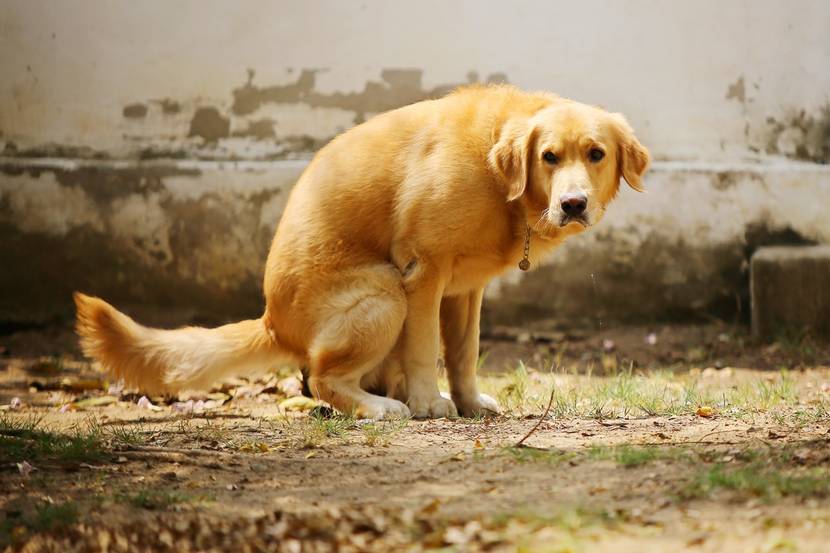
{"x":209,"y":124}
{"x":169,"y":107}
{"x":135,"y":111}
{"x":397,"y":87}
{"x":737,"y":90}
{"x":158,"y":234}
{"x":259,"y":129}
{"x":801,"y":135}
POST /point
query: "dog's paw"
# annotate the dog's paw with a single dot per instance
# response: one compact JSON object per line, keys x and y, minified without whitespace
{"x":383,"y":408}
{"x":432,"y":407}
{"x":478,"y":406}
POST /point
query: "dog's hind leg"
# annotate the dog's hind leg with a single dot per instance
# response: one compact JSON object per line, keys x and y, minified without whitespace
{"x":361,"y":324}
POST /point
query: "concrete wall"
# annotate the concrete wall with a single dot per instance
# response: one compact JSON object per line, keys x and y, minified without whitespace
{"x":159,"y":139}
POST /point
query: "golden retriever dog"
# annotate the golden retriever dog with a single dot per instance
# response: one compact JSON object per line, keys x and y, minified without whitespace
{"x":384,"y":249}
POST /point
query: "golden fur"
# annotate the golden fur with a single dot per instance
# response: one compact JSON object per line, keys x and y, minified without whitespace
{"x":385,"y":247}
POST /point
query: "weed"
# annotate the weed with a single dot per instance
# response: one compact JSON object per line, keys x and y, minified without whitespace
{"x":153,"y":499}
{"x":380,"y":433}
{"x":513,"y":395}
{"x":526,"y":454}
{"x":318,"y":428}
{"x":128,"y":435}
{"x":46,"y":517}
{"x":629,"y":394}
{"x":22,"y":439}
{"x":624,"y":455}
{"x":760,"y":481}
{"x":633,"y":456}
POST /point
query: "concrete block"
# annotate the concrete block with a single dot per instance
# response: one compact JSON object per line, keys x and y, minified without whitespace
{"x":790,"y":289}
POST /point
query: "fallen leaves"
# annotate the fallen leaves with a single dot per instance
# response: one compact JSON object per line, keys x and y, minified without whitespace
{"x":298,"y":403}
{"x":290,"y":386}
{"x":97,"y":401}
{"x":706,"y":412}
{"x":81,"y":385}
{"x":199,"y":406}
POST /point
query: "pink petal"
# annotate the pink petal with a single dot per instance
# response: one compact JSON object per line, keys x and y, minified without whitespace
{"x":144,"y":403}
{"x":24,"y":468}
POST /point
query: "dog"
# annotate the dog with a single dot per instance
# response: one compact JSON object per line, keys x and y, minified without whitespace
{"x":385,"y":247}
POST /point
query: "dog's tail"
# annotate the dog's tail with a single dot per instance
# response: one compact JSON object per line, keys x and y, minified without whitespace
{"x":160,"y":361}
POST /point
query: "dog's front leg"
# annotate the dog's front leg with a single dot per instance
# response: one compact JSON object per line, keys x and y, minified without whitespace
{"x":421,"y":348}
{"x":460,"y":327}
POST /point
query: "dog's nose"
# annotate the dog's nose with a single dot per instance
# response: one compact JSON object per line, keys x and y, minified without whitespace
{"x":573,"y":204}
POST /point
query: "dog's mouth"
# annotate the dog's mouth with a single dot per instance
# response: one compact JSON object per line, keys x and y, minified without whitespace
{"x":568,"y":219}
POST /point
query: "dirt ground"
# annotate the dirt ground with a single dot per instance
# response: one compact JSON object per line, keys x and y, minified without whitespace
{"x":653,"y":439}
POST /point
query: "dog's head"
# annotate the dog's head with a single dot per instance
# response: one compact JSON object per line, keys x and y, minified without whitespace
{"x":565,"y":163}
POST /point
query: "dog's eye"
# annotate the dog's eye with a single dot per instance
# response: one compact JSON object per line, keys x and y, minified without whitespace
{"x":550,"y":157}
{"x":596,"y":154}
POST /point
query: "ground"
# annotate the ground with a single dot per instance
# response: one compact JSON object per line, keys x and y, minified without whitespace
{"x":631,"y":439}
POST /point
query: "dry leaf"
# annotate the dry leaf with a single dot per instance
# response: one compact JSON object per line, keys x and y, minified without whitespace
{"x":82,"y":385}
{"x":99,"y":401}
{"x":705,"y":411}
{"x":298,"y":403}
{"x":431,"y":507}
{"x":290,"y":386}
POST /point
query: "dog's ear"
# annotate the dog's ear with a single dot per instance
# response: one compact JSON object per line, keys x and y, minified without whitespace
{"x":633,"y":157}
{"x":511,"y":156}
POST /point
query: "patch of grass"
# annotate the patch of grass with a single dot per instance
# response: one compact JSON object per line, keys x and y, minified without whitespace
{"x":22,"y":439}
{"x":533,"y":530}
{"x":799,"y":344}
{"x":208,"y":431}
{"x":318,"y":428}
{"x":512,"y":396}
{"x":380,"y":433}
{"x":153,"y":499}
{"x":47,"y":517}
{"x":634,"y":456}
{"x":755,"y":479}
{"x":624,"y":455}
{"x":127,"y":435}
{"x":629,"y":394}
{"x":532,"y":454}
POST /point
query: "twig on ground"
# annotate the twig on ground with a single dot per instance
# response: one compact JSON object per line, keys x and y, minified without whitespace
{"x":520,"y":443}
{"x":619,"y":424}
{"x":172,"y":450}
